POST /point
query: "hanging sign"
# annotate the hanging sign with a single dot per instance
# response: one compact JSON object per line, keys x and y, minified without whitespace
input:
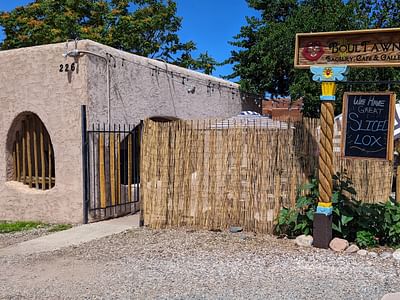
{"x":368,"y":125}
{"x":360,"y":48}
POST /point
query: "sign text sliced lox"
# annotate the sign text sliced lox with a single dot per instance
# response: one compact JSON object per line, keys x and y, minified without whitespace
{"x":368,"y":125}
{"x":360,"y":48}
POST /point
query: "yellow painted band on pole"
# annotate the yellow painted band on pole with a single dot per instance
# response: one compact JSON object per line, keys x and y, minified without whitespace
{"x":328,"y":88}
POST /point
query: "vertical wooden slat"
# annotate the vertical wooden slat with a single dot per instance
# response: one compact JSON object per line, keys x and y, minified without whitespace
{"x":28,"y":151}
{"x":35,"y":152}
{"x":118,"y":168}
{"x":129,"y":167}
{"x":14,"y":155}
{"x":42,"y":157}
{"x":23,"y":152}
{"x":102,"y":171}
{"x":50,"y":164}
{"x":112,"y":168}
{"x":17,"y":146}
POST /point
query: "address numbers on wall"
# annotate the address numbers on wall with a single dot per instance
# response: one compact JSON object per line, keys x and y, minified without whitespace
{"x":68,"y":67}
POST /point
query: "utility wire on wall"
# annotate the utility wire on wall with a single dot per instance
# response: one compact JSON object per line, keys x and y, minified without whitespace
{"x":172,"y":76}
{"x":185,"y":79}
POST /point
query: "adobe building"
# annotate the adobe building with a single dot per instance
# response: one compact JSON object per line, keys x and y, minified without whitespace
{"x":41,"y":92}
{"x":283,"y":109}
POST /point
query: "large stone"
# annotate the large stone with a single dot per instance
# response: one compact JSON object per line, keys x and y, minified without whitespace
{"x":304,"y":240}
{"x":352,"y":249}
{"x":373,"y":254}
{"x":235,"y":229}
{"x":338,"y":244}
{"x":385,"y":255}
{"x":391,"y":296}
{"x":362,"y":252}
{"x":396,"y":254}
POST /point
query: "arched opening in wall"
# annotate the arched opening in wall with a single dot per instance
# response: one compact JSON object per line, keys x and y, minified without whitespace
{"x":30,"y":153}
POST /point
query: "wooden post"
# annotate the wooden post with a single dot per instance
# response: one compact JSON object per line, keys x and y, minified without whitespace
{"x":102,"y":171}
{"x":35,"y":152}
{"x":50,"y":163}
{"x":328,"y":76}
{"x":130,"y":167}
{"x":42,"y":157}
{"x":17,"y":149}
{"x":28,"y":150}
{"x":23,"y":153}
{"x":14,"y":154}
{"x":112,"y":168}
{"x":118,"y":167}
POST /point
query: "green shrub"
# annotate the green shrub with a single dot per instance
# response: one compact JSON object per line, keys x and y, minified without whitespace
{"x":299,"y":220}
{"x":365,"y":223}
{"x":365,"y":239}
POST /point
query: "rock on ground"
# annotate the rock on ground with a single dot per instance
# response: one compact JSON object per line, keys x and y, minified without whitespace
{"x":373,"y":254}
{"x":386,"y":255}
{"x":352,"y":249}
{"x":396,"y":254}
{"x":391,"y":296}
{"x":338,"y":244}
{"x":362,"y":252}
{"x":304,"y":240}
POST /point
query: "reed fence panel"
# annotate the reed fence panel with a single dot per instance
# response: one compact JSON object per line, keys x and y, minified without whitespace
{"x":199,"y":174}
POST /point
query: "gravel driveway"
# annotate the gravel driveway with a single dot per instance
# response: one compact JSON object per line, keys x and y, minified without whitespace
{"x":183,"y":264}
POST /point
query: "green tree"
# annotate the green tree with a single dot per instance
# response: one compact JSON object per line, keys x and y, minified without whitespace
{"x":144,"y":27}
{"x":264,"y":59}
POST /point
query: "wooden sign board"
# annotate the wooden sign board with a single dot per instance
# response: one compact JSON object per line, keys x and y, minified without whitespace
{"x":368,"y":125}
{"x":360,"y":48}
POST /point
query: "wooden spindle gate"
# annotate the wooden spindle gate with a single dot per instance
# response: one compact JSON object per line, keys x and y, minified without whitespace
{"x":33,"y":154}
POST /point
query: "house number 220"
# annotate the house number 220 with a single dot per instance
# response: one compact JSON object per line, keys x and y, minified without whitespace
{"x":68,"y":67}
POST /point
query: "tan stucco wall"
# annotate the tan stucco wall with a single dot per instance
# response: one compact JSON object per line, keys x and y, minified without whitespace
{"x":137,"y":92}
{"x":30,"y":81}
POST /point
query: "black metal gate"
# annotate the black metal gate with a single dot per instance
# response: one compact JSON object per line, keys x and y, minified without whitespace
{"x":112,"y":183}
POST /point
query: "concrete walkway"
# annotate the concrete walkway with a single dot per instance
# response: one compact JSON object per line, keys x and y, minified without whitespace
{"x":74,"y":236}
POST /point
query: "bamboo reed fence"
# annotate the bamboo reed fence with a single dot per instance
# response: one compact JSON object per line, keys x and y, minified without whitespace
{"x":195,"y":174}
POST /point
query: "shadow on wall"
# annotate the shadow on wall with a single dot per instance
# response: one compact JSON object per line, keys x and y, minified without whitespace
{"x":30,"y":153}
{"x":163,"y":119}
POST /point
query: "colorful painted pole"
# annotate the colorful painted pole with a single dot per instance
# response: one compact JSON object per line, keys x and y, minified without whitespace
{"x":328,"y":76}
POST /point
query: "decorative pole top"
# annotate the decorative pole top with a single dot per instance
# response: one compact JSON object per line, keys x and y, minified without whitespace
{"x":329,"y":73}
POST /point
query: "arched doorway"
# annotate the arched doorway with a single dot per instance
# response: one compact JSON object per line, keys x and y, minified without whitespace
{"x":30,"y":153}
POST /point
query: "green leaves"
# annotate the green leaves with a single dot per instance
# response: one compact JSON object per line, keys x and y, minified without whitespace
{"x":365,"y":223}
{"x":264,"y":58}
{"x":293,"y":222}
{"x":365,"y":239}
{"x":150,"y":29}
{"x":345,"y":219}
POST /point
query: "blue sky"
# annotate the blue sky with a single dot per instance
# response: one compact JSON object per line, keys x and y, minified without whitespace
{"x":211,"y":24}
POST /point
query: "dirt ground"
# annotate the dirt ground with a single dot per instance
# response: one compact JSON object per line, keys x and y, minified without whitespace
{"x":186,"y":264}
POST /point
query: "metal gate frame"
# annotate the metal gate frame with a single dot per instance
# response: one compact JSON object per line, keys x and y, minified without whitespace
{"x":111,"y":175}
